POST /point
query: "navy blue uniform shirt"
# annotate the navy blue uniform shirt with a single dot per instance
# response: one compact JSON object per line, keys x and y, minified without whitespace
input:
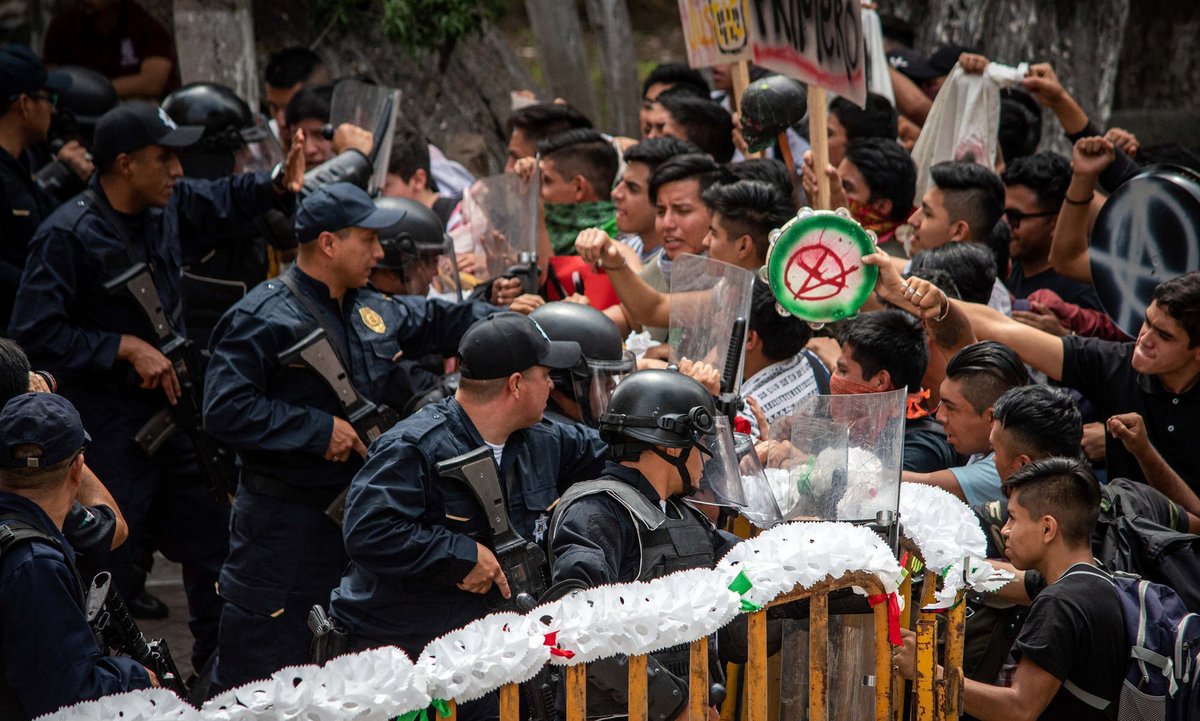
{"x":411,"y":535}
{"x":280,"y":418}
{"x":66,"y":321}
{"x":23,"y":206}
{"x":47,"y":650}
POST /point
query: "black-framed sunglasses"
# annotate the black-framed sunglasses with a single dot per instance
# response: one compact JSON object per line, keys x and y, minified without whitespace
{"x":1014,"y":216}
{"x":51,"y":98}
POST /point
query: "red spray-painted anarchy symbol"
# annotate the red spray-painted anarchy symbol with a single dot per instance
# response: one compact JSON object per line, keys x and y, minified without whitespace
{"x":823,"y":273}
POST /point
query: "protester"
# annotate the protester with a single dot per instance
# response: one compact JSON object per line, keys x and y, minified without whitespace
{"x":287,"y":71}
{"x":848,"y":123}
{"x":534,"y":123}
{"x":635,"y":211}
{"x":664,"y":77}
{"x":308,"y":111}
{"x":699,"y":121}
{"x":409,"y":175}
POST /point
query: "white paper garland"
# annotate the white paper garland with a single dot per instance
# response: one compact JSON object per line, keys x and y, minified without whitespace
{"x":631,"y":619}
{"x":947,"y":532}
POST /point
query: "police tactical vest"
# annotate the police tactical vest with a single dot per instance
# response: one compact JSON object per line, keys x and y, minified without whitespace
{"x":667,"y":544}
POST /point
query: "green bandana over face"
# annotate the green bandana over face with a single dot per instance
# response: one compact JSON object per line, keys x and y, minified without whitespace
{"x":564,"y":221}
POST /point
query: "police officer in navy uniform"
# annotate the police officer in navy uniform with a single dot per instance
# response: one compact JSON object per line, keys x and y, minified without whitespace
{"x":48,"y":655}
{"x":297,"y":450}
{"x":29,"y":95}
{"x":418,"y":568}
{"x":636,"y":522}
{"x":101,"y":347}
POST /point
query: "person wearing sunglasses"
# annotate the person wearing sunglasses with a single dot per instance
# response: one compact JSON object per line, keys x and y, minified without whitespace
{"x":1035,"y":188}
{"x":29,"y":94}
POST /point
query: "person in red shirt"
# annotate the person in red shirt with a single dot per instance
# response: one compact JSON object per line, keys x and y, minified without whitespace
{"x":119,"y":39}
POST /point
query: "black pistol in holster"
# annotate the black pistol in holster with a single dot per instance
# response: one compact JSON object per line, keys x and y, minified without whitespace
{"x":329,"y":639}
{"x":316,"y":353}
{"x":117,"y":631}
{"x":216,"y":461}
{"x":523,"y":562}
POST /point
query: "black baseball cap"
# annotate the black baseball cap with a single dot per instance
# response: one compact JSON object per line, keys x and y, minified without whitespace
{"x":22,"y":72}
{"x":45,"y":420}
{"x":338,"y":206}
{"x":911,"y":64}
{"x":135,"y":125}
{"x":505,"y":343}
{"x":944,"y":58}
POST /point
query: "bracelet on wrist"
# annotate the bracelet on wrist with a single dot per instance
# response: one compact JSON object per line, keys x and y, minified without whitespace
{"x":1086,"y":201}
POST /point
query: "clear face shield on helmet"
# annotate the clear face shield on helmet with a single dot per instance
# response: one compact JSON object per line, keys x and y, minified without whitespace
{"x":720,"y":480}
{"x":259,"y":150}
{"x":595,"y":383}
{"x":434,"y":273}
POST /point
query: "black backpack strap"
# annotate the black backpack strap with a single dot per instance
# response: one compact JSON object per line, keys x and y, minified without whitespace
{"x":16,"y":528}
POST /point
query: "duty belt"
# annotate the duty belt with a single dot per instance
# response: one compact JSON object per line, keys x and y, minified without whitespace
{"x":319,"y":497}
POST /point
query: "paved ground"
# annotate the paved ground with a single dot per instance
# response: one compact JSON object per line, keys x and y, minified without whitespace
{"x":166,"y":582}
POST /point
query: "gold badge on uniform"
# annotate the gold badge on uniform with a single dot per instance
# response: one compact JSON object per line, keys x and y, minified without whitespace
{"x":371,"y":319}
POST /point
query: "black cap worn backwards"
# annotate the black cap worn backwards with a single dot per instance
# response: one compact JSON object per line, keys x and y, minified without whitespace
{"x":22,"y":72}
{"x":46,"y":421}
{"x":505,"y":343}
{"x":135,"y":125}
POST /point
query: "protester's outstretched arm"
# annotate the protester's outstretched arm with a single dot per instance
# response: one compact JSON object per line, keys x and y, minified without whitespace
{"x":1036,"y":348}
{"x":911,"y":102}
{"x":1069,"y":245}
{"x":1130,"y":429}
{"x":946,"y":323}
{"x":1044,"y":86}
{"x":644,"y":304}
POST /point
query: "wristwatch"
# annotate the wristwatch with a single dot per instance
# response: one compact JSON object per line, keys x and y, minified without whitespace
{"x":278,"y":173}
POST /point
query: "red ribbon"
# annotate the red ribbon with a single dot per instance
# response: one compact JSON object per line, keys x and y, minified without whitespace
{"x":552,"y":642}
{"x":893,"y":613}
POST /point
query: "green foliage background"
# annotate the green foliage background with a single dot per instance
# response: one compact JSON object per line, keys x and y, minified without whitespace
{"x":412,"y":24}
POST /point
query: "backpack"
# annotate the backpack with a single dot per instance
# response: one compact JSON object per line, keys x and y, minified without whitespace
{"x":1162,"y":682}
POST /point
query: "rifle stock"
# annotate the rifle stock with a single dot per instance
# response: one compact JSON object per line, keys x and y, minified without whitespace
{"x":216,"y":462}
{"x":119,"y":632}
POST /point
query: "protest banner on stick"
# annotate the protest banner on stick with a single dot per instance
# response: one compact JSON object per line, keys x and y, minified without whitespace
{"x":818,"y":138}
{"x":715,"y":31}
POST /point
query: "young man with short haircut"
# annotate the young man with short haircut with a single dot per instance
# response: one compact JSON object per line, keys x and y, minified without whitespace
{"x":409,"y":174}
{"x":975,"y":377}
{"x":886,"y":350}
{"x":532,"y":124}
{"x":631,"y":197}
{"x":1074,"y":634}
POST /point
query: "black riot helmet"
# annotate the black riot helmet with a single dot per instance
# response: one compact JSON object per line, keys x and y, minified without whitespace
{"x":656,"y":409}
{"x":418,"y":250}
{"x":605,"y":362}
{"x":234,"y":140}
{"x":770,"y":106}
{"x":90,"y":96}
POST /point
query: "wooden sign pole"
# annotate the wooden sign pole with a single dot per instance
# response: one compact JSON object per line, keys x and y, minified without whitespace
{"x":818,"y":139}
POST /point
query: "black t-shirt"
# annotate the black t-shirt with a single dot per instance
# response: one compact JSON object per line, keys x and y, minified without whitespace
{"x":1072,"y":291}
{"x":1101,"y":371}
{"x":925,"y":447}
{"x":1074,"y":631}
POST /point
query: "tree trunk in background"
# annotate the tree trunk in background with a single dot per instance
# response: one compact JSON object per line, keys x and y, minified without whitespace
{"x":214,"y":40}
{"x":562,"y":54}
{"x":1082,"y":39}
{"x":609,"y":20}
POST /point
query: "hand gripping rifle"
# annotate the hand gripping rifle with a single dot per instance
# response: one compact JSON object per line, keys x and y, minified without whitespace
{"x":369,"y":420}
{"x":523,"y":562}
{"x":114,"y":626}
{"x":216,"y":462}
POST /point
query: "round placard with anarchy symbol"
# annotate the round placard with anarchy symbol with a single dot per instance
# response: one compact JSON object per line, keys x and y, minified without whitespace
{"x":815,"y":266}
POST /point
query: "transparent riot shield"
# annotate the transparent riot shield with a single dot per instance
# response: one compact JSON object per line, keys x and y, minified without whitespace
{"x":707,"y":298}
{"x":843,"y":458}
{"x":501,"y":214}
{"x":373,"y":108}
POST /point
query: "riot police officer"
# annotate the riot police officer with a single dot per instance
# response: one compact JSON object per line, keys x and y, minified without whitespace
{"x":294,"y":436}
{"x":75,"y":319}
{"x":635,"y":522}
{"x":233,"y":142}
{"x":581,"y":393}
{"x":421,"y":563}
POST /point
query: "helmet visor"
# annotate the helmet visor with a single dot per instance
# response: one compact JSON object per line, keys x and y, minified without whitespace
{"x":594,"y":385}
{"x":762,"y":507}
{"x":260,"y":151}
{"x":720,"y":481}
{"x":434,"y":272}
